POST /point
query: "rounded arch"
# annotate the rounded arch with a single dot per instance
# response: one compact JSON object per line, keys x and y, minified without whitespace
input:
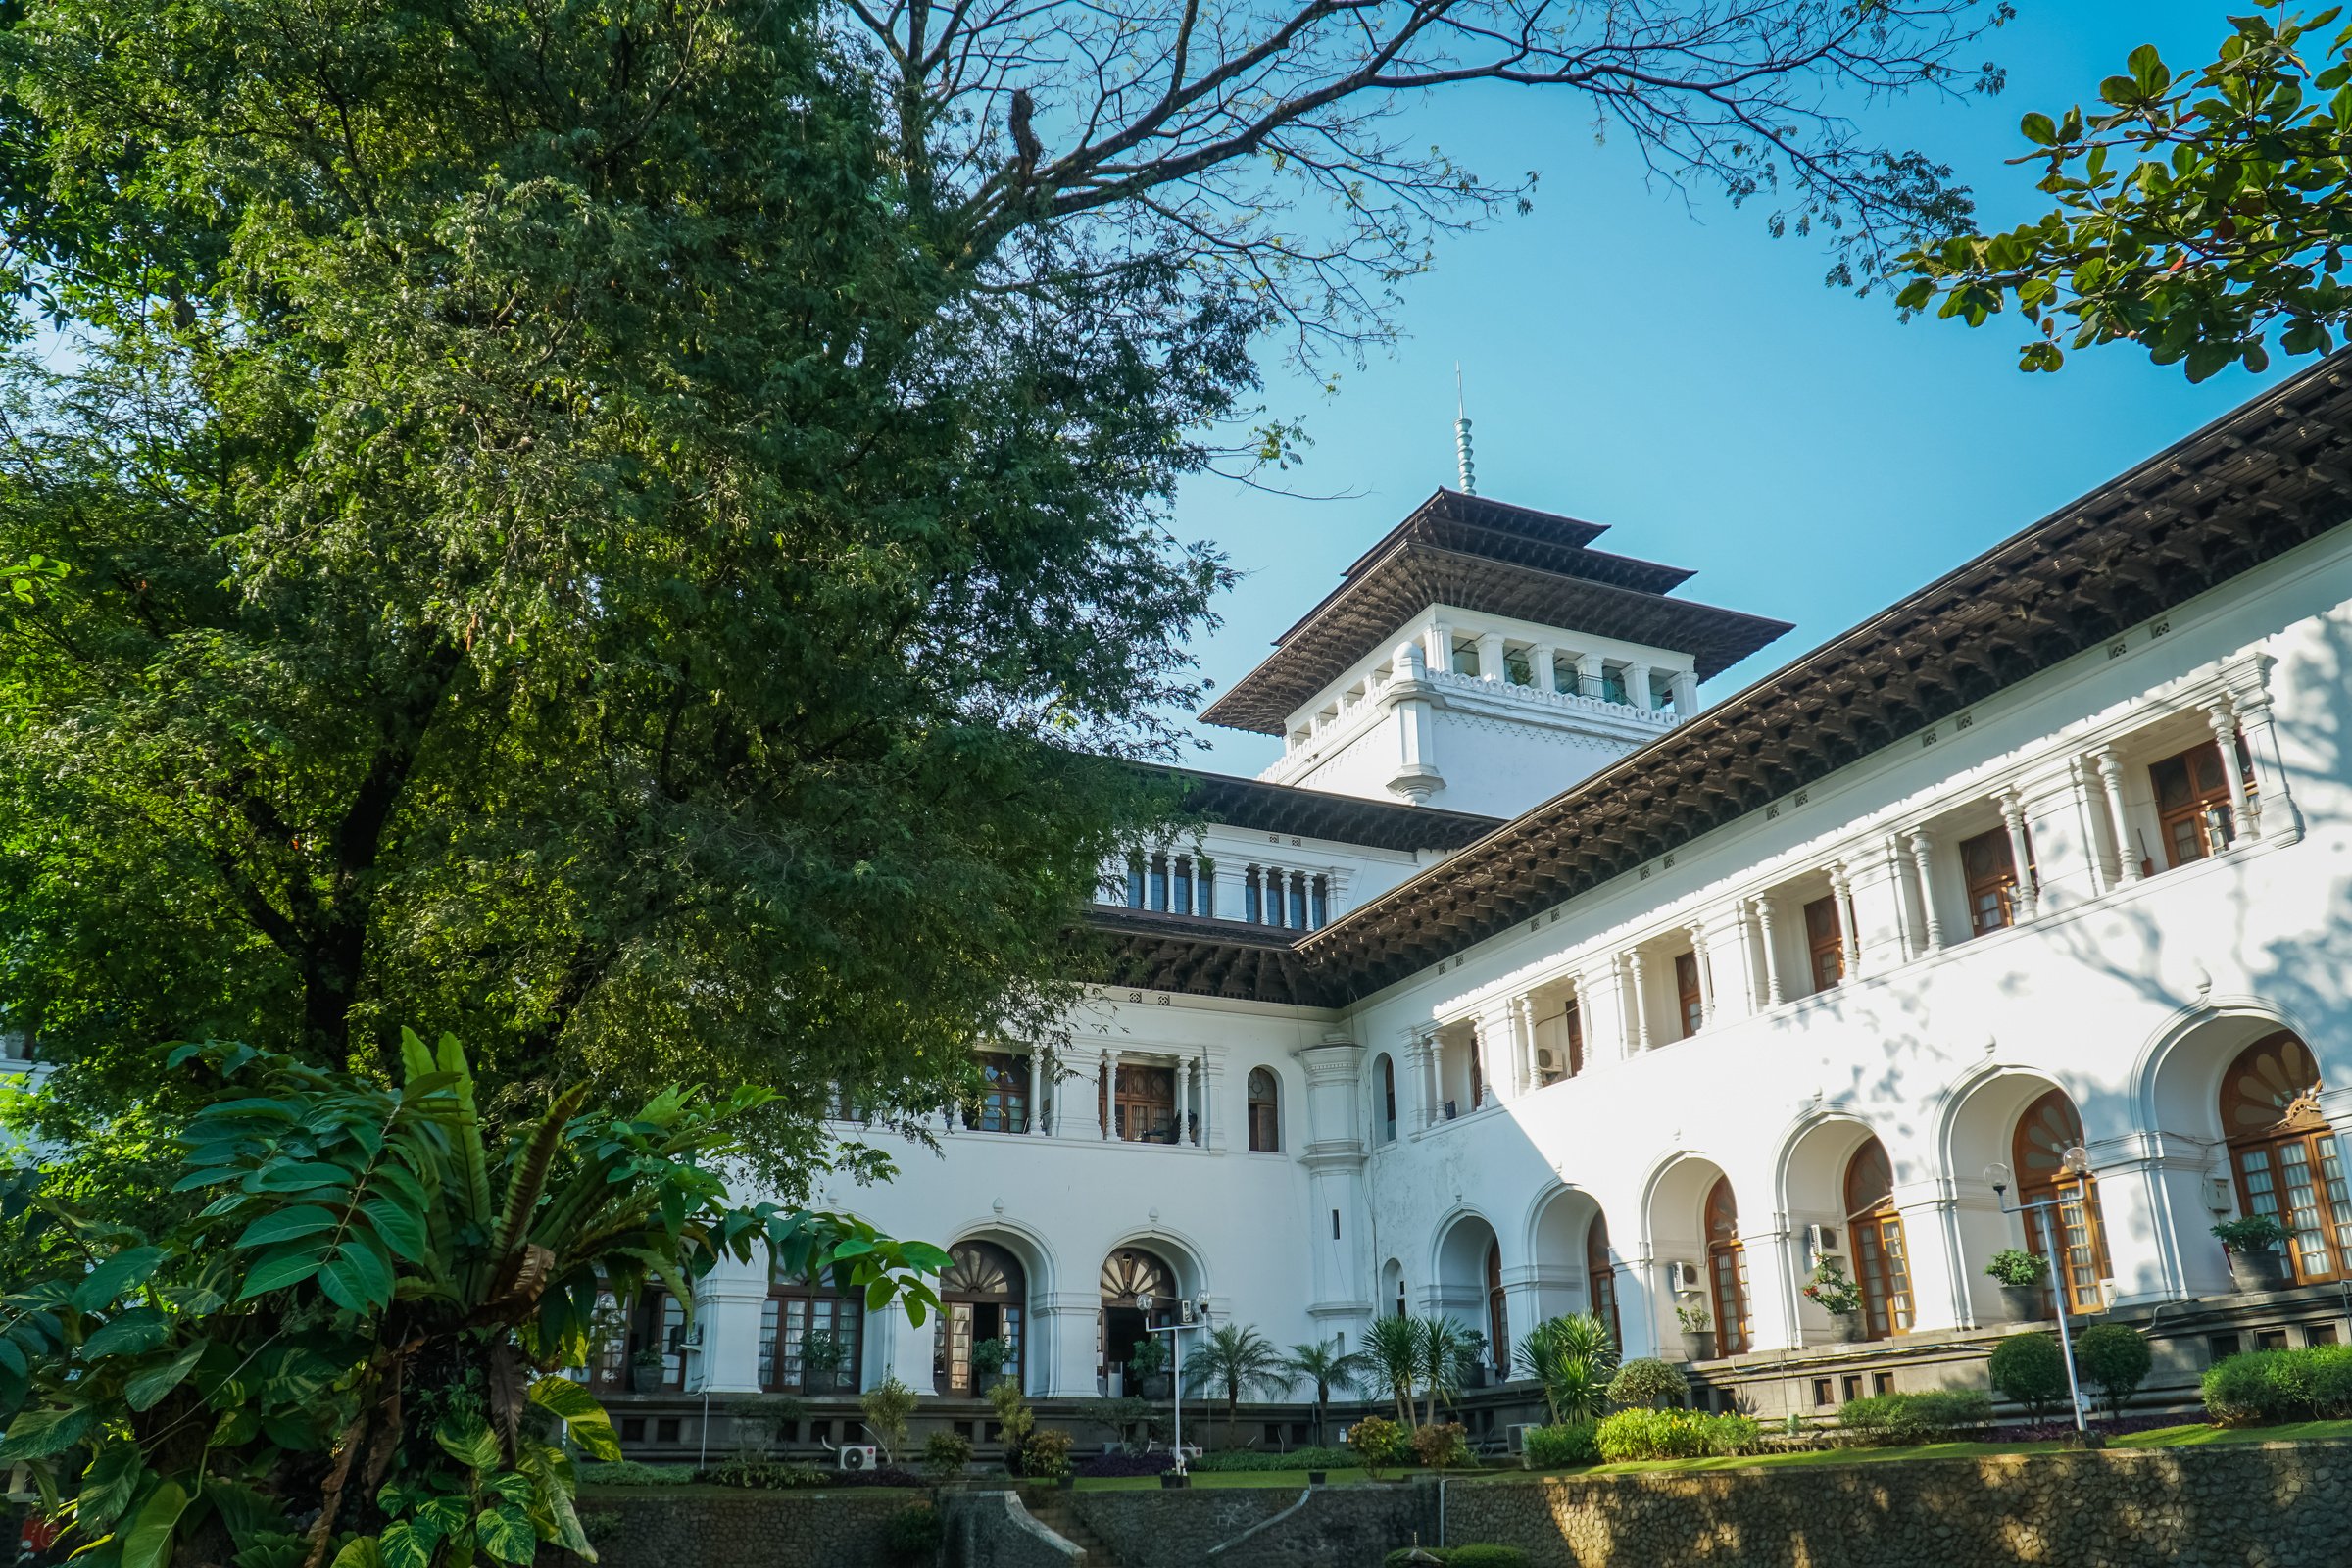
{"x":1808,"y":1171}
{"x":1183,"y":1255}
{"x":2177,"y":1083}
{"x":1686,"y":1201}
{"x":1384,"y":1109}
{"x":1263,"y":1093}
{"x":985,"y":1294}
{"x":2285,"y":1161}
{"x":1393,"y":1297}
{"x":1567,"y":1236}
{"x":1466,"y":1271}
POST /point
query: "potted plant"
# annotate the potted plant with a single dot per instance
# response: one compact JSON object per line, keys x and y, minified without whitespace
{"x":1698,"y":1332}
{"x":2253,"y":1244}
{"x":2021,"y":1274}
{"x":645,"y":1371}
{"x":822,"y":1356}
{"x":988,"y":1362}
{"x":1149,"y":1361}
{"x":1834,"y":1289}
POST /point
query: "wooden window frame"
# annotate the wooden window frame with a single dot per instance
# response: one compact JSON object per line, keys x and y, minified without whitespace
{"x":2045,"y":1129}
{"x":2186,"y":827}
{"x":1689,"y":995}
{"x":791,"y":1313}
{"x":2279,"y":1074}
{"x":1825,"y":950}
{"x":1600,"y":1278}
{"x":1265,"y":1112}
{"x":1005,"y":1100}
{"x":1990,"y":881}
{"x":1881,"y":1252}
{"x":1727,"y":1270}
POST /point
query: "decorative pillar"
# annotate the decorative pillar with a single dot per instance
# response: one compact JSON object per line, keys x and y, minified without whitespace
{"x":1923,"y":851}
{"x":727,"y":1302}
{"x":1490,"y":655}
{"x":1842,"y":888}
{"x":2021,"y":854}
{"x":1417,"y":1052}
{"x":1589,"y":676}
{"x":1438,"y":647}
{"x":2223,"y":719}
{"x":1772,"y":950}
{"x":1522,"y":1044}
{"x":1731,"y":935}
{"x":1636,"y":686}
{"x":2274,"y":807}
{"x":1640,"y":1013}
{"x":1939,"y":1268}
{"x":1108,"y":1103}
{"x":1334,"y":1152}
{"x":1185,"y":1124}
{"x":1700,"y":961}
{"x":2082,"y":781}
{"x":1542,"y":666}
{"x":2111,"y":777}
{"x":1212,"y":1079}
{"x":1037,"y":1091}
{"x":1686,"y":694}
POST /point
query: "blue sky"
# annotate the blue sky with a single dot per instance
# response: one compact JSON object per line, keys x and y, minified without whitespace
{"x":1670,"y":370}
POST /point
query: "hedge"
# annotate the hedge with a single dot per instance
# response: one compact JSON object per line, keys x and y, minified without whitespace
{"x":2266,"y":1386}
{"x":1894,"y":1420}
{"x":1295,"y":1459}
{"x":1674,"y":1434}
{"x":1570,"y":1442}
{"x":1475,"y":1554}
{"x":630,"y":1472}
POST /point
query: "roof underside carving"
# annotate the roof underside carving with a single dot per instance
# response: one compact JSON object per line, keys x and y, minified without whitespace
{"x":1285,"y":808}
{"x":2272,"y":475}
{"x":1497,"y":559}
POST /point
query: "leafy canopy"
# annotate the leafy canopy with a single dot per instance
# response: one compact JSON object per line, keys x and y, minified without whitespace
{"x":2197,"y":213}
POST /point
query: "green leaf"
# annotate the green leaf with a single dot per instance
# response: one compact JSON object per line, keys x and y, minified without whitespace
{"x":469,"y":1442}
{"x":108,"y":1484}
{"x":131,"y":1333}
{"x":287,"y":1224}
{"x":143,"y":1391}
{"x":148,"y":1542}
{"x":2039,"y":129}
{"x":361,"y":1551}
{"x":399,"y":1225}
{"x":506,"y":1533}
{"x":585,"y":1419}
{"x":46,"y":1433}
{"x":299,"y":1176}
{"x":360,"y":1279}
{"x":405,"y":1545}
{"x":110,"y":1279}
{"x":281,"y":1270}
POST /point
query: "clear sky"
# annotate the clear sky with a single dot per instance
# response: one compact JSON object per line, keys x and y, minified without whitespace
{"x":1674,"y":372}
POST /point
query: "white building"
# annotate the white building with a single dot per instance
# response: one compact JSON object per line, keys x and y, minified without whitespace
{"x":1520,"y":986}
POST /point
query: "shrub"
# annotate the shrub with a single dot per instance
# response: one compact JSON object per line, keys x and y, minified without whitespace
{"x":1570,"y":1442}
{"x":2031,"y":1369}
{"x":1252,"y":1459}
{"x":1378,"y":1442}
{"x":1131,"y":1464}
{"x":1897,"y":1419}
{"x":629,"y":1473}
{"x":1046,"y":1453}
{"x":886,"y":1407}
{"x":944,"y":1454}
{"x":1674,"y":1434}
{"x":1644,"y":1381}
{"x":2014,"y":1265}
{"x":1483,"y":1554}
{"x":2114,"y":1358}
{"x":766,"y":1477}
{"x":1014,"y":1419}
{"x":914,"y":1535}
{"x":2266,"y":1386}
{"x":1441,"y":1445}
{"x":2250,"y":1233}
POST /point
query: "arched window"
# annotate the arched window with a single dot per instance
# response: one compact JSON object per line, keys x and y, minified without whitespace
{"x":982,"y":1296}
{"x":1498,"y":1319}
{"x":2284,"y":1159}
{"x":811,"y":1340}
{"x":1881,"y":1266}
{"x":1131,"y":1278}
{"x":1600,"y":1279}
{"x":1265,"y":1113}
{"x":1388,"y":1098}
{"x":2049,"y":1128}
{"x":1727,"y":1268}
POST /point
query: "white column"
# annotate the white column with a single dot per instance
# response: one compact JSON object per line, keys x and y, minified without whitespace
{"x":2127,"y":854}
{"x":1184,"y":1099}
{"x":726,"y":1315}
{"x":1436,"y":645}
{"x":2090,"y":809}
{"x":1637,"y":685}
{"x":1686,"y":694}
{"x":1939,"y":1298}
{"x":2274,"y":807}
{"x":1543,"y":667}
{"x":1735,"y":940}
{"x":2021,"y":854}
{"x":2223,"y":719}
{"x":1490,"y":655}
{"x":1923,"y":851}
{"x":1842,"y":888}
{"x":1639,"y":1012}
{"x":1212,"y":1079}
{"x":1420,"y":1052}
{"x":1699,"y":961}
{"x":1037,"y":1091}
{"x":1589,"y":674}
{"x":1108,"y":1103}
{"x":1772,"y":950}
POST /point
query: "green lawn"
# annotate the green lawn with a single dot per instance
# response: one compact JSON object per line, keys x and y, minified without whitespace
{"x":1292,"y":1478}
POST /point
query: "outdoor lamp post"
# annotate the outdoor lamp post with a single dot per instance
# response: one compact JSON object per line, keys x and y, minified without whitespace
{"x":1190,"y":1314}
{"x":2075,"y":1163}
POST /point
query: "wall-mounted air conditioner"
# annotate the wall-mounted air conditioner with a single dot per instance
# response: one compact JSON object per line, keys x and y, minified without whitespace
{"x":1821,"y":1240}
{"x":860,"y":1458}
{"x":1547,"y":1060}
{"x":1514,"y":1436}
{"x":1682,"y":1275}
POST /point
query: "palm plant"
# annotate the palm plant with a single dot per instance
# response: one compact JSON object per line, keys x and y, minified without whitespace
{"x":1236,"y":1361}
{"x":1448,"y":1352}
{"x":1573,"y":1358}
{"x":1393,"y":1348}
{"x":1327,"y":1367}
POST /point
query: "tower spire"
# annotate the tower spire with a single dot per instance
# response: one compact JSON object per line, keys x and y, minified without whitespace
{"x":1464,"y":468}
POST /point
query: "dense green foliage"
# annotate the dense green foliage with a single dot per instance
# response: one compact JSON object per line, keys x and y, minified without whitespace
{"x":1567,"y":1443}
{"x":1255,"y":1460}
{"x":1674,"y":1434}
{"x":1573,"y":1358}
{"x":2197,"y":214}
{"x":1647,"y":1381}
{"x":914,"y":1535}
{"x":1442,"y":1446}
{"x":1471,"y":1554}
{"x":550,"y":548}
{"x":349,"y":1350}
{"x":1234,"y":1362}
{"x":1326,"y":1368}
{"x":631,"y":1473}
{"x":2262,"y":1387}
{"x":2031,"y":1369}
{"x":1378,"y":1443}
{"x":1941,"y":1415}
{"x":2112,"y":1358}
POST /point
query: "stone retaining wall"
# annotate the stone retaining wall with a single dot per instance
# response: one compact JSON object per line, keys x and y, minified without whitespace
{"x":993,"y":1529}
{"x":668,"y":1527}
{"x":1162,"y":1529}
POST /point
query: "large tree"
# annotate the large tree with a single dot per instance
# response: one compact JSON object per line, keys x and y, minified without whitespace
{"x":636,"y":530}
{"x":2202,"y":215}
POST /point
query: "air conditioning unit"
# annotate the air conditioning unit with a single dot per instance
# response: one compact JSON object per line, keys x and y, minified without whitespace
{"x":1682,"y":1275}
{"x":860,"y":1458}
{"x":1821,"y":1240}
{"x":1515,"y":1437}
{"x":1547,"y":1060}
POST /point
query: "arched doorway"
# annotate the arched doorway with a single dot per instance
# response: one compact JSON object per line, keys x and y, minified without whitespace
{"x":1726,"y":1269}
{"x":1881,"y":1263}
{"x":1600,"y":1278}
{"x":2046,"y":1131}
{"x":2284,"y":1156}
{"x":1130,"y":1275}
{"x":983,"y":1294}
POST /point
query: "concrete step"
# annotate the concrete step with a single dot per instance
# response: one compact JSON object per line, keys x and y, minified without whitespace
{"x":1052,"y":1509}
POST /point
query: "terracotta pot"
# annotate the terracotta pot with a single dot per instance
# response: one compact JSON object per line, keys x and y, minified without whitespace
{"x":2264,"y":1270}
{"x":2023,"y":1303}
